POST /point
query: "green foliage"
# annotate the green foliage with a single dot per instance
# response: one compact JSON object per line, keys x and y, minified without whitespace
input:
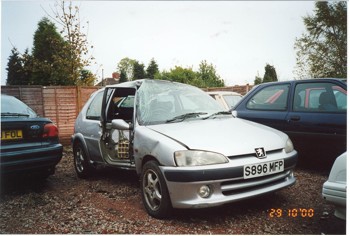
{"x":123,"y":77}
{"x":152,"y":69}
{"x":15,"y":73}
{"x":55,"y":59}
{"x":47,"y":56}
{"x":127,"y":66}
{"x":207,"y":74}
{"x":322,"y":51}
{"x":86,"y":78}
{"x":179,"y":74}
{"x":205,"y":77}
{"x":139,"y":71}
{"x":258,"y":80}
{"x":76,"y":47}
{"x":270,"y":74}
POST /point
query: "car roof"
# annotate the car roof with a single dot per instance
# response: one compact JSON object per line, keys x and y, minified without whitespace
{"x":343,"y":80}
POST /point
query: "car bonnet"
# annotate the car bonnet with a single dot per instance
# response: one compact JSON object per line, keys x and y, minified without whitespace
{"x":228,"y":136}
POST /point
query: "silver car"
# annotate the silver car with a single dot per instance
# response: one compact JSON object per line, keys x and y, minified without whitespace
{"x":334,"y":189}
{"x":188,"y":152}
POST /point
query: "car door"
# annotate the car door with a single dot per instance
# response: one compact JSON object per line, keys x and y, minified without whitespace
{"x":317,"y":120}
{"x":117,"y":120}
{"x":91,"y":126}
{"x":267,"y":104}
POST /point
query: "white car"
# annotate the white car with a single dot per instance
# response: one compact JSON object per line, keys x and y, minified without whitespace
{"x":188,"y":151}
{"x":334,"y":189}
{"x":226,"y":99}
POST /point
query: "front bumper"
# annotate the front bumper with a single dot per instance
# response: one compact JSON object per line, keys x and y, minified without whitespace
{"x":30,"y":159}
{"x":225,"y":182}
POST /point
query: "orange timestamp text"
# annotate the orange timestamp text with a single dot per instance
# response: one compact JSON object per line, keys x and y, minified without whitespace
{"x":292,"y":212}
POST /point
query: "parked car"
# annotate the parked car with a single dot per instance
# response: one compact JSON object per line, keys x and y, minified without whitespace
{"x":226,"y":99}
{"x":334,"y":189}
{"x":311,"y":112}
{"x":29,"y":144}
{"x":188,"y":152}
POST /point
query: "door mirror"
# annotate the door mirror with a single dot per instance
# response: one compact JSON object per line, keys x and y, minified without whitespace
{"x":120,"y":124}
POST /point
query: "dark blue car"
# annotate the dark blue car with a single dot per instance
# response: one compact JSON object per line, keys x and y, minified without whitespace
{"x":312,"y":112}
{"x":29,"y":144}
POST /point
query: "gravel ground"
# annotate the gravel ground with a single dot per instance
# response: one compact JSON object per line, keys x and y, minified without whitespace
{"x":110,"y":203}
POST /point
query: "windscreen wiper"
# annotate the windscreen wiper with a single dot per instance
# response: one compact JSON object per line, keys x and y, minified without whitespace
{"x":186,"y":116}
{"x":13,"y":114}
{"x":218,"y":113}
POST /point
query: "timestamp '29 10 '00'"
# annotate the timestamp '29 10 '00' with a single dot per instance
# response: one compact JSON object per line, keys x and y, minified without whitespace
{"x":292,"y":212}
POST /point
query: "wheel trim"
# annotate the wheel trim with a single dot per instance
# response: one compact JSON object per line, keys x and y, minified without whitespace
{"x":152,"y":190}
{"x":79,"y":159}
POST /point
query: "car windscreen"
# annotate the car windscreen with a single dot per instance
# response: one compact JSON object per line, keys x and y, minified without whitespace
{"x":12,"y":107}
{"x":162,"y":102}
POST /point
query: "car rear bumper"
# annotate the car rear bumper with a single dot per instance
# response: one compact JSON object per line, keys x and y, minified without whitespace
{"x":30,"y":159}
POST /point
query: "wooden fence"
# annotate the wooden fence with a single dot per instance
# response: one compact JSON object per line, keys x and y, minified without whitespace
{"x":241,"y":89}
{"x":62,"y":104}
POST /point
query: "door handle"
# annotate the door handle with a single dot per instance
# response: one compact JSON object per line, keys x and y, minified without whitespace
{"x":295,"y":118}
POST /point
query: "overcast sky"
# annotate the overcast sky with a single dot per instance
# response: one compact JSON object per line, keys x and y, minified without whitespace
{"x":238,"y":37}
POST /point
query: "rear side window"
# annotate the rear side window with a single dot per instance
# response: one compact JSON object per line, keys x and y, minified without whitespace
{"x":272,"y":98}
{"x":320,"y":97}
{"x":94,"y":109}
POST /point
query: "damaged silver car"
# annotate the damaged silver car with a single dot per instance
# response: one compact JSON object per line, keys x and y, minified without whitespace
{"x":188,"y":151}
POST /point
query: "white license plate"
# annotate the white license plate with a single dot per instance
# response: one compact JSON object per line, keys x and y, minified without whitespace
{"x":261,"y":169}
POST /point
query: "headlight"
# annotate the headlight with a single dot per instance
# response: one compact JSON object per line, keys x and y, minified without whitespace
{"x":198,"y":158}
{"x":289,"y":146}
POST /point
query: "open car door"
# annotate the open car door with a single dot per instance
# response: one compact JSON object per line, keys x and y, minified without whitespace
{"x":117,"y":119}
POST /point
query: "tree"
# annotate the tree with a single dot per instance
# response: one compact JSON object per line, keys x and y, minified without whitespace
{"x":127,"y":65}
{"x":27,"y":63}
{"x":123,"y":77}
{"x":15,"y":73}
{"x":207,"y":73}
{"x":270,"y":74}
{"x":152,"y":69}
{"x":76,"y":49}
{"x":86,"y":78}
{"x":322,"y":51}
{"x":205,"y":77}
{"x":139,"y":71}
{"x":181,"y":75}
{"x":47,"y":49}
{"x":258,"y":80}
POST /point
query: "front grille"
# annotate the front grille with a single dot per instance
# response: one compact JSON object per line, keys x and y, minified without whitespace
{"x":247,"y":185}
{"x":271,"y":152}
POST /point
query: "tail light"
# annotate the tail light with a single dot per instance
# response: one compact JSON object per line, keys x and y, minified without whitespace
{"x":50,"y":131}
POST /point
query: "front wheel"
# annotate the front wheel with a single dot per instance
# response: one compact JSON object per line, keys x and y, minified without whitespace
{"x":155,"y":195}
{"x":81,"y":163}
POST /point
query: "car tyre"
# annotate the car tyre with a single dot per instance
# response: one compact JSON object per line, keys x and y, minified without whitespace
{"x":81,"y":163}
{"x":155,"y":195}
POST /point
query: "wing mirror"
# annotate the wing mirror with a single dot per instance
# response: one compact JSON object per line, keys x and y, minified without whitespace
{"x":120,"y":124}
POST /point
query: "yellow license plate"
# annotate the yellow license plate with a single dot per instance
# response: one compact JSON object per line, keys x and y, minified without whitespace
{"x":11,"y":134}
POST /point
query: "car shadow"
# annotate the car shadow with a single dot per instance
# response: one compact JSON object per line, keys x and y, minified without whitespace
{"x":22,"y":184}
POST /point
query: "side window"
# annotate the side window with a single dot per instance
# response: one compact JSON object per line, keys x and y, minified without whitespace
{"x":94,"y":109}
{"x":319,"y":97}
{"x":272,"y":98}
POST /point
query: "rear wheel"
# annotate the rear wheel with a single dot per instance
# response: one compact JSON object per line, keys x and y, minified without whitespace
{"x":155,"y":195}
{"x":81,"y":163}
